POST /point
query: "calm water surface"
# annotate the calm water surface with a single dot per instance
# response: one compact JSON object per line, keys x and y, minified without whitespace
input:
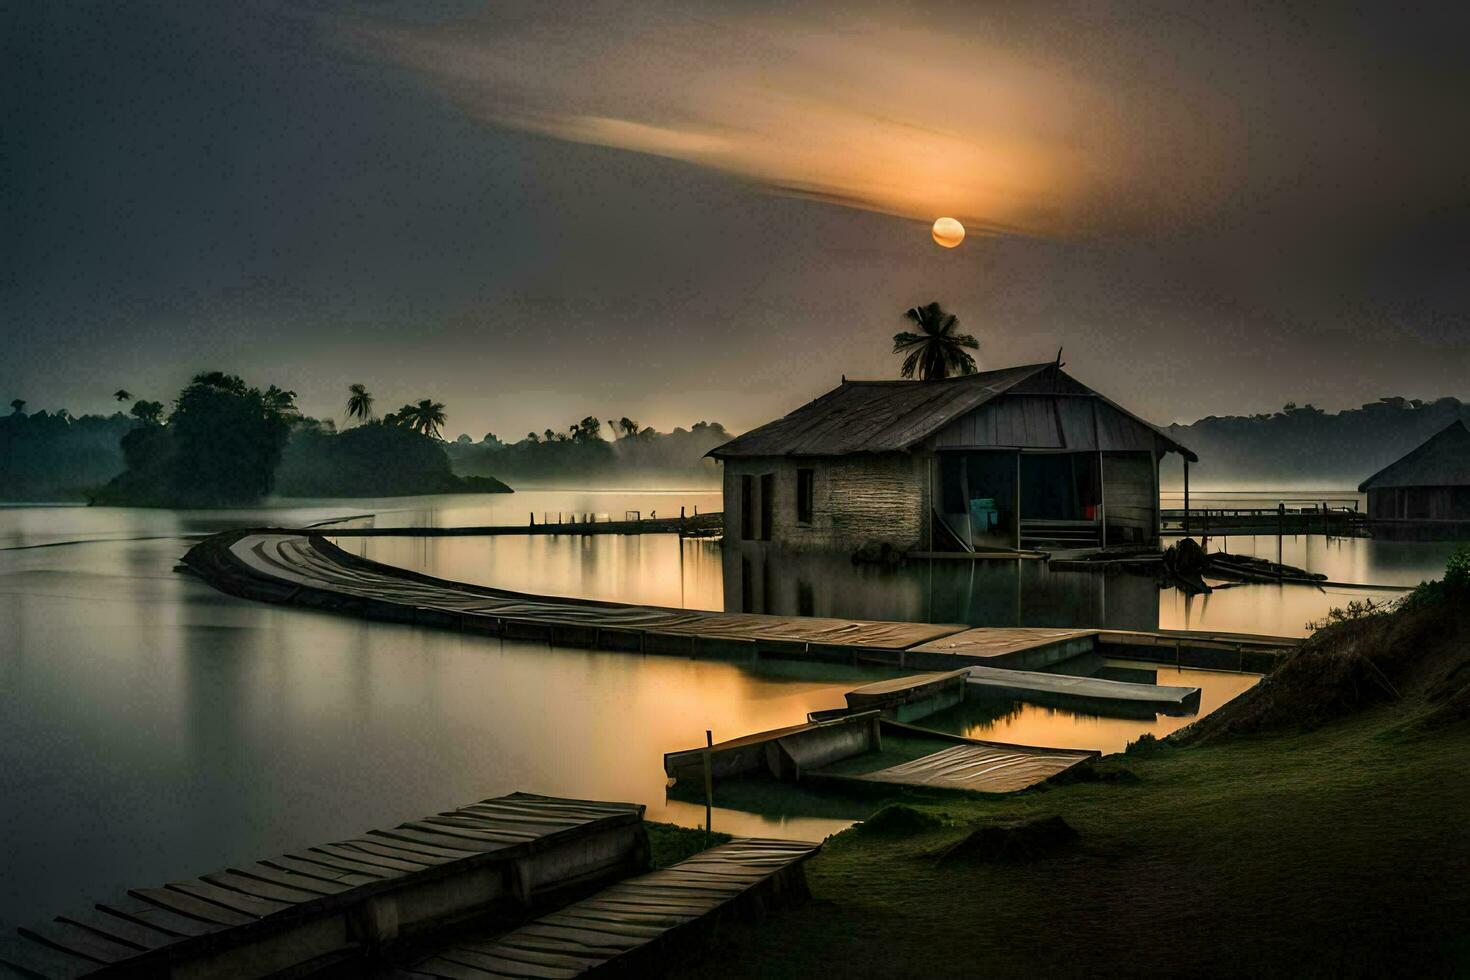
{"x":151,"y":727}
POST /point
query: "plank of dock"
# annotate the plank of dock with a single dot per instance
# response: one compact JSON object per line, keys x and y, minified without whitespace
{"x":322,"y":904}
{"x":1033,"y":685}
{"x":624,"y":929}
{"x":908,"y":698}
{"x":1020,"y":647}
{"x":980,"y":768}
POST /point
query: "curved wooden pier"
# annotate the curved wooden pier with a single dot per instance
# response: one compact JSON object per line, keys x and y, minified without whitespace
{"x":304,"y":568}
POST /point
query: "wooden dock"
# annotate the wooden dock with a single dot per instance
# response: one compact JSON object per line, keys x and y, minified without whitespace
{"x":695,"y":526}
{"x":345,"y":905}
{"x":908,"y":698}
{"x":1065,"y":690}
{"x":1022,"y":648}
{"x":627,"y":929}
{"x":303,"y":568}
{"x":1319,"y":518}
{"x":842,"y":751}
{"x":970,"y":765}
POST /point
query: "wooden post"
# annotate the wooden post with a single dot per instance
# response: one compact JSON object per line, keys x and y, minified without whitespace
{"x":1018,"y":501}
{"x":1158,"y":505}
{"x":709,"y":786}
{"x":1186,"y":495}
{"x":1280,"y":530}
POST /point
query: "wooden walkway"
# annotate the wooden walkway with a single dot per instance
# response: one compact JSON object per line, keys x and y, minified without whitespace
{"x":803,"y":753}
{"x":336,"y":904}
{"x":305,"y":569}
{"x":980,"y":768}
{"x":1021,"y":647}
{"x":1066,"y":690}
{"x":627,"y":928}
{"x":698,"y":525}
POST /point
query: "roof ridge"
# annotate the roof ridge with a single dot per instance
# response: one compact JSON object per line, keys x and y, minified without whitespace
{"x":955,"y":380}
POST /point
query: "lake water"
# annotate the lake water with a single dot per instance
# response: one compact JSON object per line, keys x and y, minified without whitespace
{"x":151,"y":727}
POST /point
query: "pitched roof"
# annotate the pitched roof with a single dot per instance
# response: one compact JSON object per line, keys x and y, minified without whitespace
{"x":1441,"y":461}
{"x":892,"y":416}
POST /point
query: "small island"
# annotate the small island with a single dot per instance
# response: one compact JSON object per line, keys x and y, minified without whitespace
{"x":228,"y":444}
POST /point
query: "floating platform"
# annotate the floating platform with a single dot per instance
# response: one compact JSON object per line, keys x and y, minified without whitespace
{"x":855,"y":751}
{"x":968,"y":765}
{"x":1023,"y":648}
{"x":781,"y":752}
{"x":1066,"y":691}
{"x":909,"y":698}
{"x":628,"y":928}
{"x":305,"y":569}
{"x":345,"y":905}
{"x":920,"y":695}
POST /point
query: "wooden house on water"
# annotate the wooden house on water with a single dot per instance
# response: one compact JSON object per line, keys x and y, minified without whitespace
{"x":1428,"y":488}
{"x":1021,"y":457}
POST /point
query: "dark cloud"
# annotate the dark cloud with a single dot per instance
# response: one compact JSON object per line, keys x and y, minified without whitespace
{"x":536,"y":213}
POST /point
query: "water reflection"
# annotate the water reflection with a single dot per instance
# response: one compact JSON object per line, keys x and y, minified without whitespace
{"x":703,"y":574}
{"x":1004,"y":720}
{"x":153,"y":728}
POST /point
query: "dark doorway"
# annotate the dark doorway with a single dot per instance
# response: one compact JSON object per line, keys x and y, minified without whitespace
{"x":1059,"y":486}
{"x":768,"y":500}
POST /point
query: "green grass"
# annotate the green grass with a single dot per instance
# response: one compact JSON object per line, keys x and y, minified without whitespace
{"x":1342,"y":851}
{"x":672,"y":844}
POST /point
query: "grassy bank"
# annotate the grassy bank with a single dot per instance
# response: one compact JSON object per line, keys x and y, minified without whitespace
{"x":1249,"y":846}
{"x":1344,"y":850}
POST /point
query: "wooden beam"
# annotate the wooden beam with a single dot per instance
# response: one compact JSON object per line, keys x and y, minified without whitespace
{"x":1018,"y":500}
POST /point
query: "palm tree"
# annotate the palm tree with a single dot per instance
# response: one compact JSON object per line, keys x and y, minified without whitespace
{"x":425,"y":417}
{"x":937,"y":350}
{"x":16,"y":404}
{"x":359,"y":403}
{"x":123,"y":395}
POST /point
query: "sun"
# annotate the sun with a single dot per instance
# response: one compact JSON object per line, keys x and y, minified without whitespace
{"x":948,"y":232}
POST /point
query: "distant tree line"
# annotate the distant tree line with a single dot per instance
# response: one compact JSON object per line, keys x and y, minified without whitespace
{"x":57,"y":456}
{"x":635,"y":455}
{"x":1303,"y":443}
{"x":223,"y":442}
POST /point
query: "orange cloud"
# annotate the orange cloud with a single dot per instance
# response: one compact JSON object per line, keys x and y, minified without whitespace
{"x":912,"y":122}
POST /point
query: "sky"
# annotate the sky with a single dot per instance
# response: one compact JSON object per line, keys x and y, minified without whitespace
{"x":684,"y":211}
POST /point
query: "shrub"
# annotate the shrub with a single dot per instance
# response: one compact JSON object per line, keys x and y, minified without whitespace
{"x":1457,"y":571}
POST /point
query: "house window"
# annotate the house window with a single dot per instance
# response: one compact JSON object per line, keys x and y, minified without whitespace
{"x":747,"y":508}
{"x":804,"y":496}
{"x":768,"y":500}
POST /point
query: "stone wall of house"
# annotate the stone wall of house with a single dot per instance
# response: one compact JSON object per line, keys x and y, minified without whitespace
{"x":855,"y":499}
